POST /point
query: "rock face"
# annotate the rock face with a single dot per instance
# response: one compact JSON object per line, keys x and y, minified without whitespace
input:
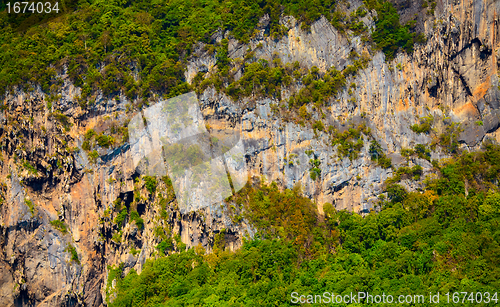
{"x":453,"y":77}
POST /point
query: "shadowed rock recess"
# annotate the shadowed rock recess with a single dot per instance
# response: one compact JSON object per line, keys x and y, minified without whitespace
{"x":75,"y":203}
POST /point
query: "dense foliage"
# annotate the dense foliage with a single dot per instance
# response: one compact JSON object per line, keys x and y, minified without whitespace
{"x":445,"y":239}
{"x":389,"y":34}
{"x":106,"y":43}
{"x":138,"y":48}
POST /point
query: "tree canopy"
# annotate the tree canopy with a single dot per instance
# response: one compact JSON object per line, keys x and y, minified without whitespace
{"x":139,"y":47}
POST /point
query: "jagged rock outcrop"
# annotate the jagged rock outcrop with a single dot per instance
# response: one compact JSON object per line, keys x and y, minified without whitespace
{"x":47,"y":176}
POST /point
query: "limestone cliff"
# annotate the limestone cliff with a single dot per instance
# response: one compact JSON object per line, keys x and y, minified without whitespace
{"x":57,"y":223}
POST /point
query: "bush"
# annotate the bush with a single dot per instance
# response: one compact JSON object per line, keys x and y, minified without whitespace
{"x":219,"y":241}
{"x":30,"y":168}
{"x":414,"y":172}
{"x":59,"y":225}
{"x":423,"y":152}
{"x":74,"y":255}
{"x":284,"y":214}
{"x":164,"y":246}
{"x":89,"y":134}
{"x":135,"y":252}
{"x":407,"y":152}
{"x":396,"y":193}
{"x":151,"y":184}
{"x":384,"y":161}
{"x":134,"y":216}
{"x":104,"y":140}
{"x":120,"y":218}
{"x":315,"y":171}
{"x":117,"y":236}
{"x":424,"y":126}
{"x":376,"y":154}
{"x":318,"y":125}
{"x":389,"y":35}
{"x":449,"y":139}
{"x":86,"y":145}
{"x":93,"y":156}
{"x":350,"y":141}
{"x":63,"y":119}
{"x":30,"y":205}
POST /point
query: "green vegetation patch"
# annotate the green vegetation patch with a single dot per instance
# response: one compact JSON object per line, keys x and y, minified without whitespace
{"x":152,"y":41}
{"x":63,"y":119}
{"x":287,"y":215}
{"x":104,"y":140}
{"x":74,"y":255}
{"x":30,"y":168}
{"x":117,"y":132}
{"x":93,"y":156}
{"x":60,"y":225}
{"x":315,"y":171}
{"x":135,"y":252}
{"x":264,"y":79}
{"x":125,"y":213}
{"x":314,"y":162}
{"x":117,"y":236}
{"x":424,"y":126}
{"x":134,"y":216}
{"x":151,"y":37}
{"x":350,"y":141}
{"x":30,"y":205}
{"x":448,"y":139}
{"x":406,"y":172}
{"x":377,"y":154}
{"x":389,"y":35}
{"x":151,"y":184}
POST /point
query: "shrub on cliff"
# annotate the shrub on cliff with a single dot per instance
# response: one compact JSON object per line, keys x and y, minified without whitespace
{"x":389,"y":35}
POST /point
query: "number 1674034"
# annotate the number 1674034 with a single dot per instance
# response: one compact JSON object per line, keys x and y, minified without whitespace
{"x":32,"y":7}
